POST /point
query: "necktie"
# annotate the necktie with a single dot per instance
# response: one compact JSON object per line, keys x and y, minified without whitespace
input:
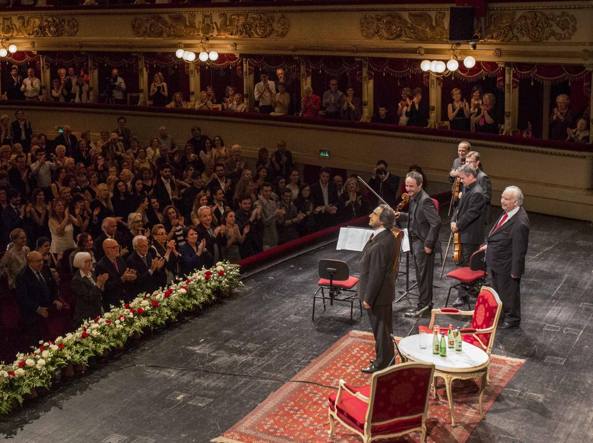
{"x":501,"y":221}
{"x":115,"y":265}
{"x":40,"y":277}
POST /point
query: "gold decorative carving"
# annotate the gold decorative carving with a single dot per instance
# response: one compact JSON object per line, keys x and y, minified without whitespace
{"x":240,"y":24}
{"x":38,"y":26}
{"x":535,"y":26}
{"x":419,"y":26}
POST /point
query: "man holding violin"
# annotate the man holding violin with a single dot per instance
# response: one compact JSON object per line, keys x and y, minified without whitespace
{"x":423,"y":228}
{"x":469,"y":220}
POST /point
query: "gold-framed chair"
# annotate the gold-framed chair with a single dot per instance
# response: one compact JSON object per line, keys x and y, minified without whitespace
{"x":395,"y":403}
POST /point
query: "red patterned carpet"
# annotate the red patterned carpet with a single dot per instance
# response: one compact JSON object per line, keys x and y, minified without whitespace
{"x":297,"y":412}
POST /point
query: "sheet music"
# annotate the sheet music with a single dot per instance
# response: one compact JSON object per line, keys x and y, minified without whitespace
{"x":353,"y":239}
{"x":406,"y":241}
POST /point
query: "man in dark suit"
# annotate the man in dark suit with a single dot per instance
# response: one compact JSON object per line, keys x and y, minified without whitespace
{"x":35,"y":296}
{"x":149,"y":268}
{"x":109,"y":230}
{"x":118,"y":286}
{"x":325,"y":199}
{"x":21,"y":130}
{"x":469,"y":220}
{"x":378,"y":270}
{"x":13,"y":85}
{"x":384,"y":183}
{"x":423,"y":229}
{"x":68,"y":140}
{"x":12,"y":217}
{"x":473,"y":159}
{"x":166,"y":189}
{"x":506,"y":248}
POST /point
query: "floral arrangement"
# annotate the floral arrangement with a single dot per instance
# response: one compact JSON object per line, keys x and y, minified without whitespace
{"x":45,"y":364}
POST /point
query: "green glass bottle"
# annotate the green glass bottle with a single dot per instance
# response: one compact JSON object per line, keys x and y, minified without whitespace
{"x":443,"y":347}
{"x":450,"y":338}
{"x":458,"y":341}
{"x":435,"y":341}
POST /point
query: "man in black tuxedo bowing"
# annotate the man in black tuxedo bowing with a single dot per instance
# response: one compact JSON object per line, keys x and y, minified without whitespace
{"x":469,"y":220}
{"x":36,"y":296}
{"x":378,"y":271}
{"x":506,"y":248}
{"x":423,"y":228}
{"x":118,"y":286}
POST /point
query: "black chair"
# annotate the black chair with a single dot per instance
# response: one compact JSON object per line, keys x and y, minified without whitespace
{"x":472,"y":277}
{"x":335,"y":284}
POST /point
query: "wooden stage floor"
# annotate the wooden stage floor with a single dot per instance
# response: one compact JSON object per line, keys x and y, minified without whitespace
{"x":192,"y":382}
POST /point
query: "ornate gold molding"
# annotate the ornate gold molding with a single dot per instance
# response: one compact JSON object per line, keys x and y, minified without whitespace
{"x":38,"y":26}
{"x":198,"y":25}
{"x":420,"y":26}
{"x":534,"y":26}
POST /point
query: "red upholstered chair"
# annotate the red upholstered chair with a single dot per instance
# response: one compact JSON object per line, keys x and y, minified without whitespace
{"x":471,"y":277}
{"x":394,"y":404}
{"x":336,"y":284}
{"x":484,"y":321}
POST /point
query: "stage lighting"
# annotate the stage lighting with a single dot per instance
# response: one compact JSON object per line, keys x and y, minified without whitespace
{"x":469,"y":62}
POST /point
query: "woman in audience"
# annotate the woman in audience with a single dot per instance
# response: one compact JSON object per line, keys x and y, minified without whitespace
{"x":458,"y":111}
{"x":306,"y":206}
{"x":59,"y":182}
{"x":87,"y":289}
{"x":207,"y":154}
{"x":37,"y":215}
{"x":174,"y":224}
{"x":238,"y":104}
{"x":61,"y":228}
{"x":153,"y":212}
{"x":200,"y":200}
{"x":203,"y":103}
{"x":121,"y":200}
{"x":193,"y":252}
{"x":57,"y":89}
{"x":84,"y":243}
{"x":15,"y":257}
{"x":165,"y":248}
{"x":417,"y":111}
{"x":242,"y":185}
{"x":81,"y":215}
{"x":227,"y":101}
{"x":310,"y":103}
{"x":475,"y":105}
{"x":294,"y":183}
{"x":403,"y":106}
{"x":177,"y":102}
{"x":281,"y":101}
{"x":485,"y":119}
{"x":580,"y":134}
{"x":352,"y":107}
{"x":159,"y":93}
{"x":232,"y":238}
{"x":261,"y":176}
{"x":219,"y":150}
{"x":352,"y":203}
{"x":141,"y":160}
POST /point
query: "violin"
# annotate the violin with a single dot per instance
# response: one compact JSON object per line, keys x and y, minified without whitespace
{"x":457,"y":256}
{"x":456,"y":189}
{"x":402,"y":204}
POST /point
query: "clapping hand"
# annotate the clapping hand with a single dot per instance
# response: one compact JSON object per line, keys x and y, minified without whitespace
{"x":201,"y":246}
{"x":101,"y":279}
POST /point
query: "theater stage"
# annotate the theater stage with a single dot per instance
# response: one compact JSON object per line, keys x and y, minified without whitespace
{"x":194,"y":381}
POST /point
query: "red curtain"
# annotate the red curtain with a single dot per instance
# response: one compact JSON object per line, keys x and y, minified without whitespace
{"x":347,"y":71}
{"x":226,"y":71}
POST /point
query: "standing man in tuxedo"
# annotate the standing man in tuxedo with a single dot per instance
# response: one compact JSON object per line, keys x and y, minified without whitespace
{"x":423,"y":229}
{"x":506,"y":248}
{"x":149,"y":268}
{"x":36,"y":297}
{"x":379,"y":265}
{"x":469,"y":220}
{"x":118,"y":286}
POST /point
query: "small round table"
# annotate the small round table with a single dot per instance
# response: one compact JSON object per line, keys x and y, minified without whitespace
{"x":471,"y":363}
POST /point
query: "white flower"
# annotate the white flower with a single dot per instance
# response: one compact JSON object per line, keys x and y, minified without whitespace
{"x":19,"y":372}
{"x":117,"y":322}
{"x":95,"y":333}
{"x":40,"y":363}
{"x":30,"y":362}
{"x":220,"y":268}
{"x":182,"y":291}
{"x":45,"y":354}
{"x":145,"y":303}
{"x":69,"y":336}
{"x":119,"y":326}
{"x":37,"y":352}
{"x":3,"y":374}
{"x":53,"y":347}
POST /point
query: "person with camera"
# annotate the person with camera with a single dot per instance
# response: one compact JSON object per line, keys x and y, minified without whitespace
{"x":384,"y":183}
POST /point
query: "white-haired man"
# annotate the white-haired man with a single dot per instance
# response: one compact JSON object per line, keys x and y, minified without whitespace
{"x":506,"y":248}
{"x":149,"y":268}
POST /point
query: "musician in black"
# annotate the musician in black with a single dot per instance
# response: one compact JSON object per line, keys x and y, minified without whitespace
{"x":469,"y":220}
{"x":423,"y":229}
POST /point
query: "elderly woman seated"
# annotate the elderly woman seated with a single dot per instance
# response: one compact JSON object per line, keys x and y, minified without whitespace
{"x":87,"y":289}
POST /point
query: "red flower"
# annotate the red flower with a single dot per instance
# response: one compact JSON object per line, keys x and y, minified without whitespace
{"x":127,"y":306}
{"x":121,"y":318}
{"x":168,"y":293}
{"x":188,"y":280}
{"x":61,"y":346}
{"x":42,"y":348}
{"x":11,"y":373}
{"x":154,"y":303}
{"x":108,"y":322}
{"x":84,"y":334}
{"x":21,"y":364}
{"x":220,"y":273}
{"x":207,"y":275}
{"x":132,"y":311}
{"x":140,"y":311}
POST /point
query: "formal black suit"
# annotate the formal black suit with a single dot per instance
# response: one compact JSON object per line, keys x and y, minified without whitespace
{"x":89,"y":298}
{"x":115,"y":290}
{"x":22,"y":135}
{"x":378,"y":271}
{"x":69,"y":141}
{"x":147,"y":281}
{"x":323,"y":219}
{"x":470,"y":218}
{"x":33,"y":292}
{"x":505,"y":257}
{"x":213,"y":245}
{"x":13,"y":88}
{"x":423,"y":229}
{"x":161,"y":193}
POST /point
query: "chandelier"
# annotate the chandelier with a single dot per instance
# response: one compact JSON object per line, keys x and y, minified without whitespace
{"x":7,"y":48}
{"x":204,"y":55}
